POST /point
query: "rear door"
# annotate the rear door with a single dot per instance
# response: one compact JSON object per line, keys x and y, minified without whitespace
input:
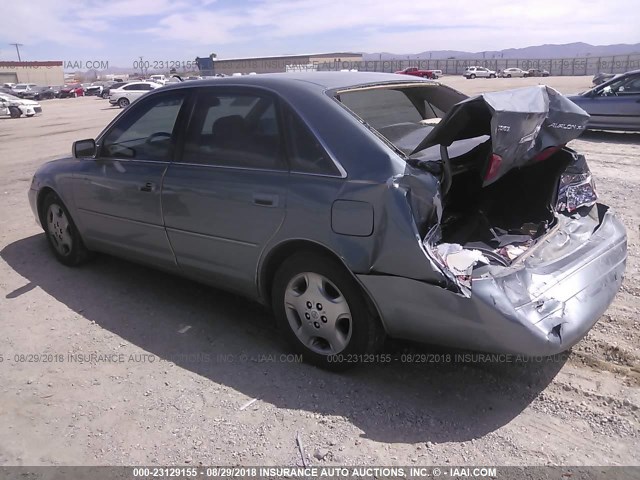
{"x":136,"y":90}
{"x":118,"y":193}
{"x":226,"y":196}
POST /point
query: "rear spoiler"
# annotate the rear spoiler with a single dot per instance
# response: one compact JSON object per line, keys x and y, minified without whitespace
{"x":521,"y":122}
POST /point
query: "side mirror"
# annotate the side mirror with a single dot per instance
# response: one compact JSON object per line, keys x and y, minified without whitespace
{"x":84,"y":148}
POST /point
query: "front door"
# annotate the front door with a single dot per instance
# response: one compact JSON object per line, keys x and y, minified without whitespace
{"x":226,"y":195}
{"x":118,"y":193}
{"x":617,"y":105}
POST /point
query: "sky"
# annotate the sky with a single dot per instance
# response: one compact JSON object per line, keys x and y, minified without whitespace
{"x":120,"y":31}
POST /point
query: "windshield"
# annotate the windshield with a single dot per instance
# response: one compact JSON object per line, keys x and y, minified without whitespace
{"x":403,"y":114}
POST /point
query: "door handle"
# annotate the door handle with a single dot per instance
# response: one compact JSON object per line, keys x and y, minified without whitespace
{"x":148,"y":187}
{"x":265,"y":200}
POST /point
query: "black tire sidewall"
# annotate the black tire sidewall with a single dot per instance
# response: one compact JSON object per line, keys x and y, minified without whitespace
{"x":79,"y":252}
{"x":13,"y":114}
{"x":366,"y":333}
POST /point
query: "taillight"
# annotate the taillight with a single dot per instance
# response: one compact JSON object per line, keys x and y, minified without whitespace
{"x":494,"y":167}
{"x":546,"y":153}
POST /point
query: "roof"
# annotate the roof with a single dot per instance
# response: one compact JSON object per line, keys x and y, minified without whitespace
{"x":55,"y":63}
{"x":299,"y":55}
{"x":323,"y":80}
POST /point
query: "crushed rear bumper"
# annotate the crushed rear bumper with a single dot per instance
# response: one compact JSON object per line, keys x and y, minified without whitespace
{"x":533,"y":308}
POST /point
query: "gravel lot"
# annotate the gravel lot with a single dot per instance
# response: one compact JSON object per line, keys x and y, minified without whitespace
{"x":185,"y":360}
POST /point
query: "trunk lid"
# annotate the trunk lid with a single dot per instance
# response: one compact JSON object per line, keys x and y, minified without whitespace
{"x":521,"y":123}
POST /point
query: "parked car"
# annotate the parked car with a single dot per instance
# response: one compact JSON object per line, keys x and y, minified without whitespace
{"x":514,"y":72}
{"x":95,"y":89}
{"x":7,"y":91}
{"x":126,"y":94}
{"x":457,"y":234}
{"x":20,"y":88}
{"x":416,"y":72}
{"x":601,"y":77}
{"x":613,"y":105}
{"x":479,"y":72}
{"x":537,"y":72}
{"x":15,"y":107}
{"x":106,"y":90}
{"x":39,"y":93}
{"x":8,"y":85}
{"x":68,"y":91}
{"x":158,"y":79}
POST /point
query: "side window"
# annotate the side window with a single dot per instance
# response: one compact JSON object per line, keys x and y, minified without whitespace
{"x":631,"y":86}
{"x":234,"y":130}
{"x":133,"y":86}
{"x":146,"y":131}
{"x":145,"y":86}
{"x":306,"y":155}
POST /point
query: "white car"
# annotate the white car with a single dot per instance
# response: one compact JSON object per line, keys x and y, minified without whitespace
{"x":514,"y":72}
{"x":480,"y":72}
{"x":23,"y":87}
{"x":16,"y":107}
{"x":437,"y":73}
{"x":8,"y":85}
{"x":161,"y":79}
{"x":126,"y":94}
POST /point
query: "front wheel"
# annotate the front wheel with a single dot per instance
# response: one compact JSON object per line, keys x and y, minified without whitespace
{"x":123,"y":102}
{"x":492,"y":76}
{"x":323,"y":313}
{"x":62,"y":234}
{"x":472,"y":76}
{"x":104,"y":95}
{"x":15,"y":112}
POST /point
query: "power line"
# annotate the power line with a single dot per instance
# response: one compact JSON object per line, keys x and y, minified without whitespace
{"x":17,"y":45}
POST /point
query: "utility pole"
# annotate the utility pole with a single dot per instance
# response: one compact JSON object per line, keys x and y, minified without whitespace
{"x":17,"y":45}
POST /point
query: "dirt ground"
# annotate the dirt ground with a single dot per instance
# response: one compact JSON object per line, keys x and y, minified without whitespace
{"x":175,"y":364}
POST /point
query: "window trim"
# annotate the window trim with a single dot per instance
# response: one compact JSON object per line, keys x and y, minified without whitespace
{"x":178,"y":127}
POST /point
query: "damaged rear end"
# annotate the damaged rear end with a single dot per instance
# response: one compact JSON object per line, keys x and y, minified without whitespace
{"x":528,"y":260}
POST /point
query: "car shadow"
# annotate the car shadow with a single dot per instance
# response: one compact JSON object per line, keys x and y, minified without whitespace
{"x":616,"y":137}
{"x":233,"y":342}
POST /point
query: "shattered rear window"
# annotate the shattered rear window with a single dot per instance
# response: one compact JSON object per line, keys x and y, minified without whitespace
{"x":403,"y":114}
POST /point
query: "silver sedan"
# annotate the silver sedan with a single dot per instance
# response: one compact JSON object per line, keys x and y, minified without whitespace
{"x":355,"y":205}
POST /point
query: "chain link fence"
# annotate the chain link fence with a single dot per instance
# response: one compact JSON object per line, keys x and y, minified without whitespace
{"x":555,"y":66}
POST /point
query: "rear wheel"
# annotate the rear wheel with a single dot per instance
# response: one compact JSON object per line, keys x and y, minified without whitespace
{"x":62,"y":234}
{"x":472,"y":76}
{"x":123,"y":102}
{"x":15,"y":112}
{"x":323,"y":313}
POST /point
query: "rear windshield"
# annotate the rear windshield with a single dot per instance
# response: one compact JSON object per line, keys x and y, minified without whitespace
{"x":404,"y":115}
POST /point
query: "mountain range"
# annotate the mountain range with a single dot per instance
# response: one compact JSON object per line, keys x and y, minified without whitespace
{"x":567,"y":50}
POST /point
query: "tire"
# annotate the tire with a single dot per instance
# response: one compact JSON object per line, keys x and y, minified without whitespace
{"x":472,"y":76}
{"x":508,"y":75}
{"x":62,"y":235}
{"x":104,"y":95}
{"x":75,"y":94}
{"x":300,"y":312}
{"x":15,"y":112}
{"x":123,"y":102}
{"x":492,"y":76}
